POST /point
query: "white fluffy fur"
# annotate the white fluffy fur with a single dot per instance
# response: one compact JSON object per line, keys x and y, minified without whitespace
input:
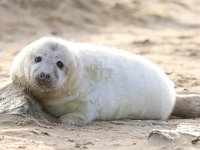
{"x":104,"y":84}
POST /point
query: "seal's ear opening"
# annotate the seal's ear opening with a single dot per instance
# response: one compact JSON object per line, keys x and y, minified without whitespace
{"x":66,"y":70}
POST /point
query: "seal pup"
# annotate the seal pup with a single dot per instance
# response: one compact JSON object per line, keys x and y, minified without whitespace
{"x":79,"y":82}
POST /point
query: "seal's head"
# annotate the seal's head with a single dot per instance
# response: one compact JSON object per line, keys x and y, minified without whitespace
{"x":44,"y":64}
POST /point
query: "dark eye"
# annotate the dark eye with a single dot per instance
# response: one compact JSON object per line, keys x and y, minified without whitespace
{"x":60,"y":64}
{"x":38,"y":59}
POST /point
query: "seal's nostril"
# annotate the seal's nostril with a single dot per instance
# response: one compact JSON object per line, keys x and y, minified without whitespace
{"x":45,"y":75}
{"x":42,"y":75}
{"x":48,"y":75}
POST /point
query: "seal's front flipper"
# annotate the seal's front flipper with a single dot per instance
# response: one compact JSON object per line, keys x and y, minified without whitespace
{"x":73,"y":120}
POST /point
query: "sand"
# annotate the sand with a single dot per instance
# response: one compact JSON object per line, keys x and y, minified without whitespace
{"x":165,"y":31}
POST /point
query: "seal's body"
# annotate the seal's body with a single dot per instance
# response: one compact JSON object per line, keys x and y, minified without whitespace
{"x":82,"y":82}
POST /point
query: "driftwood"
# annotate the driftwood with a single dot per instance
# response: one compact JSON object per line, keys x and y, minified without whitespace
{"x":16,"y":100}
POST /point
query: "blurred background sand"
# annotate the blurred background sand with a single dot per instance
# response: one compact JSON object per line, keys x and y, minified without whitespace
{"x":165,"y":31}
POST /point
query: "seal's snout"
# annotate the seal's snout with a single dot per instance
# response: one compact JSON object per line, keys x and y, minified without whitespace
{"x":44,"y":79}
{"x":45,"y":76}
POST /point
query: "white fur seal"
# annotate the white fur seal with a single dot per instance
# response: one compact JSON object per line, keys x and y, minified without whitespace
{"x":82,"y":82}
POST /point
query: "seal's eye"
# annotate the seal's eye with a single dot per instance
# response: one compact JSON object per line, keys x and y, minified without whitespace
{"x":60,"y":64}
{"x":38,"y":59}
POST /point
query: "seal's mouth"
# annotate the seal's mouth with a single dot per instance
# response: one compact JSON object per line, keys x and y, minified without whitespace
{"x":46,"y":85}
{"x":45,"y":82}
